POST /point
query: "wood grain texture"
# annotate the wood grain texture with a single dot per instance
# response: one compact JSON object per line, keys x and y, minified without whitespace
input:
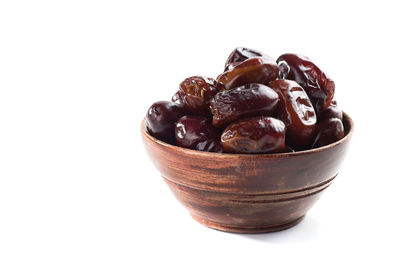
{"x":248,"y":193}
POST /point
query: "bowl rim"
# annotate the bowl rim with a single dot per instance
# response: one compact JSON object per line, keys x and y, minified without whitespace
{"x":158,"y":142}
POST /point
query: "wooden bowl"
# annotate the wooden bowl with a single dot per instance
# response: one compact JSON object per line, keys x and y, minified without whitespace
{"x":248,"y":193}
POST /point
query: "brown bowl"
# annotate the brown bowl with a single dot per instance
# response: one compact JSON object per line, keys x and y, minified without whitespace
{"x":248,"y":193}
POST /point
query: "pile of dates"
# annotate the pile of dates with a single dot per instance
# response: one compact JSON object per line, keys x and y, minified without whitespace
{"x":257,"y":105}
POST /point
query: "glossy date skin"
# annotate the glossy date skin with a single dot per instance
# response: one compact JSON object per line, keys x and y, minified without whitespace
{"x":245,"y":101}
{"x":319,"y":87}
{"x":296,"y":111}
{"x":254,"y":135}
{"x":195,"y":93}
{"x":197,"y":133}
{"x":253,"y":70}
{"x":332,"y":111}
{"x":178,"y":98}
{"x":328,"y":131}
{"x":161,"y":118}
{"x":241,"y":54}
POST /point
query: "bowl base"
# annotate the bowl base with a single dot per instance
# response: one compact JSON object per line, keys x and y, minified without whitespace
{"x":246,"y":229}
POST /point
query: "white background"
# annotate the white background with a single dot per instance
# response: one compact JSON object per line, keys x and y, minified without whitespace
{"x":77,"y":77}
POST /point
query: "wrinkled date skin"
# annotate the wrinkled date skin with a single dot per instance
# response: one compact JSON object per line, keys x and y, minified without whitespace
{"x":254,"y":135}
{"x":197,"y":133}
{"x":196,"y":92}
{"x":332,"y":111}
{"x":296,"y":111}
{"x":245,"y":101}
{"x":328,"y":131}
{"x":161,"y":118}
{"x":241,"y":54}
{"x":319,"y":87}
{"x":253,"y":70}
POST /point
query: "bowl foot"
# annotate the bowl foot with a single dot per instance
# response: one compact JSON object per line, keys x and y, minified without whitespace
{"x":246,"y":229}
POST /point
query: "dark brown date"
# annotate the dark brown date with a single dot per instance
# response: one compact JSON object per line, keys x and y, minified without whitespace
{"x":161,"y":118}
{"x":296,"y":111}
{"x":197,"y":133}
{"x":196,"y":92}
{"x":328,"y":131}
{"x":178,"y":98}
{"x":241,"y":54}
{"x":332,"y":111}
{"x":319,"y":87}
{"x":245,"y":101}
{"x":253,"y":70}
{"x":254,"y":135}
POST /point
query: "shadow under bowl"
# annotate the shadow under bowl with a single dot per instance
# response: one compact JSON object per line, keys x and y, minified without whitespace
{"x":248,"y":193}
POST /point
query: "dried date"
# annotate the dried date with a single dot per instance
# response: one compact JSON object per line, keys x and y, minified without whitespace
{"x":161,"y":118}
{"x":254,"y":135}
{"x":178,"y":98}
{"x":245,"y":101}
{"x":296,"y":111}
{"x":241,"y":54}
{"x":196,"y":92}
{"x":253,"y":70}
{"x":197,"y":133}
{"x":332,"y":111}
{"x":319,"y":87}
{"x":328,"y":131}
